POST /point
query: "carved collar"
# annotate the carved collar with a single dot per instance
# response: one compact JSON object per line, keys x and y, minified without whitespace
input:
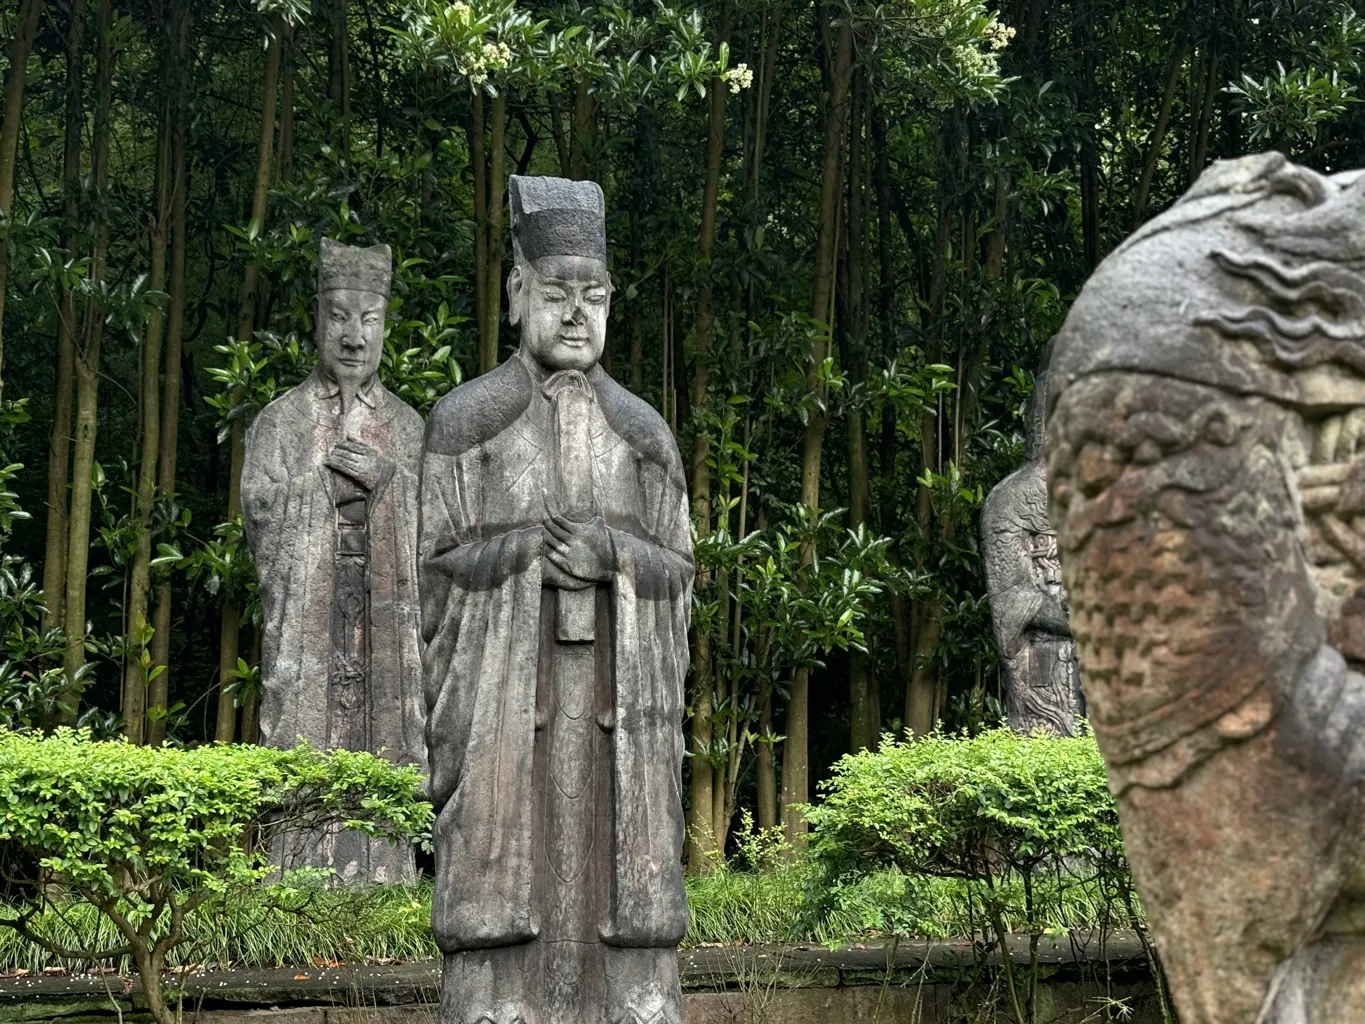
{"x":324,"y":387}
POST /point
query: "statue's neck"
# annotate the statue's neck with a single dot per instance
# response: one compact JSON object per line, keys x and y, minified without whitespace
{"x":539,"y":373}
{"x":347,"y":388}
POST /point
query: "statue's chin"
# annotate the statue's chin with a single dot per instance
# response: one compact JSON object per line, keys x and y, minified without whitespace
{"x":565,"y":357}
{"x":349,"y":375}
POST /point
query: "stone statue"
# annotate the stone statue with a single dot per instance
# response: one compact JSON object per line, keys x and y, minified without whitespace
{"x":556,"y":587}
{"x":1028,"y":602}
{"x":1206,"y":458}
{"x":329,"y":497}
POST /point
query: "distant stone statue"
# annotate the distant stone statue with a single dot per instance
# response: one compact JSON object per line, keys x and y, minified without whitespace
{"x":556,"y":586}
{"x":1028,"y":601}
{"x":329,"y":496}
{"x":1206,"y":460}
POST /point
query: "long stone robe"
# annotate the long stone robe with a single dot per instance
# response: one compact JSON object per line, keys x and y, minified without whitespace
{"x":1028,"y":606}
{"x":555,"y":767}
{"x":289,"y":503}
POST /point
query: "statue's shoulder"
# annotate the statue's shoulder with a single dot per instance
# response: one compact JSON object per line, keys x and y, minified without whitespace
{"x":478,"y":410}
{"x":407,"y":419}
{"x":639,"y":424}
{"x":294,"y":407}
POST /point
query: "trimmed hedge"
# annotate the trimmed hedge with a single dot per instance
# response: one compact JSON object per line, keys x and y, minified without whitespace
{"x":940,"y":805}
{"x":147,"y":836}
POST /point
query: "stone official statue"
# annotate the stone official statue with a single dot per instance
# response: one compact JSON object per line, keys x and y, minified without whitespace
{"x":556,"y":583}
{"x":1028,"y":601}
{"x":1206,"y":461}
{"x":329,"y":497}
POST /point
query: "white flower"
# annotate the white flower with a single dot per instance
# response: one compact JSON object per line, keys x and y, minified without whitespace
{"x":970,"y":60}
{"x":474,"y":67}
{"x":496,"y":55}
{"x":739,"y":77}
{"x":999,"y":35}
{"x":460,"y":10}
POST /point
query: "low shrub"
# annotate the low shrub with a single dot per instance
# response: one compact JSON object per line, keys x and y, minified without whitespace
{"x":966,"y":807}
{"x":1022,"y":829}
{"x":150,"y":836}
{"x":954,"y":838}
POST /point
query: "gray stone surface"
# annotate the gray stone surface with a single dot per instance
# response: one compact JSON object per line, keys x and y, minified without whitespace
{"x":702,"y":968}
{"x":1028,"y":602}
{"x":556,"y":586}
{"x":1207,"y":482}
{"x":1058,"y":1002}
{"x":330,"y":501}
{"x":912,"y":982}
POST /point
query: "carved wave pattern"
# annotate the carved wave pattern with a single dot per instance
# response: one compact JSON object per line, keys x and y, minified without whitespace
{"x":1314,"y":313}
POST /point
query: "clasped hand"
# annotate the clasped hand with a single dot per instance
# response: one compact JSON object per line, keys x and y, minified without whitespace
{"x":360,"y":462}
{"x":577,"y":555}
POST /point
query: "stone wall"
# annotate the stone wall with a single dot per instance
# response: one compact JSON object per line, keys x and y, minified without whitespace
{"x":914,"y":983}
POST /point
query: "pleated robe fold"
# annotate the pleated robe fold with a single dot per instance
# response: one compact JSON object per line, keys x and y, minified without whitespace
{"x":487,"y":476}
{"x":290,"y":518}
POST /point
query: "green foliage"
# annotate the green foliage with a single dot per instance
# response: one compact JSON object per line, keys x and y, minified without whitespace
{"x":784,"y":598}
{"x":1290,"y":107}
{"x":494,"y":44}
{"x":999,"y":815}
{"x":796,"y":902}
{"x":966,"y":806}
{"x":283,"y":924}
{"x":944,"y":50}
{"x":151,"y":836}
{"x":33,"y":690}
{"x":114,"y":821}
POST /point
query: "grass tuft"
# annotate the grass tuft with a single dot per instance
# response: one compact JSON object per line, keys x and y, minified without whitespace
{"x":283,"y":926}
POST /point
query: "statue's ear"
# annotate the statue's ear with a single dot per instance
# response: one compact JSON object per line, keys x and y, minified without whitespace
{"x":516,"y":287}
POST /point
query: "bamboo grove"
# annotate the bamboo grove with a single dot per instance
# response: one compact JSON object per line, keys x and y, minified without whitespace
{"x":841,"y":236}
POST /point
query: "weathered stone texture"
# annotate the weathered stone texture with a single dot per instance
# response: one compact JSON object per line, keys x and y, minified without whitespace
{"x":330,"y":503}
{"x":556,"y":585}
{"x":1208,"y":390}
{"x":1028,"y":602}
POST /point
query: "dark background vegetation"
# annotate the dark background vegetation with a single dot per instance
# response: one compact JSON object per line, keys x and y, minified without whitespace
{"x":841,"y":236}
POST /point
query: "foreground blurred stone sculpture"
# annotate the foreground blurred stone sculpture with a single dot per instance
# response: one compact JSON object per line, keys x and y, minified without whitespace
{"x":556,"y":586}
{"x":1206,"y":459}
{"x":1028,"y":601}
{"x":329,"y":496}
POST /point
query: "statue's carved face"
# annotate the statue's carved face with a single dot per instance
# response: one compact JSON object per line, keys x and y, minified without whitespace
{"x":562,"y":304}
{"x":350,"y":334}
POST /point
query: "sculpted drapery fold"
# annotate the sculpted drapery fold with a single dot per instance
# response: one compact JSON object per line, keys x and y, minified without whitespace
{"x":486,"y":475}
{"x":330,"y":506}
{"x":289,"y":512}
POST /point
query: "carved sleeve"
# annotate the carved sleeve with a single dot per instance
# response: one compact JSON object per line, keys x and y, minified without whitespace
{"x":267,"y":487}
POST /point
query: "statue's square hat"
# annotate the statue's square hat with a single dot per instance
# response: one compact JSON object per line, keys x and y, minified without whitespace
{"x":359,"y":268}
{"x":557,"y":217}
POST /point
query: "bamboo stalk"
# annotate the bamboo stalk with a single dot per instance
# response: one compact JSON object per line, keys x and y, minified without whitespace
{"x":59,"y":443}
{"x":87,"y":367}
{"x":20,"y":46}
